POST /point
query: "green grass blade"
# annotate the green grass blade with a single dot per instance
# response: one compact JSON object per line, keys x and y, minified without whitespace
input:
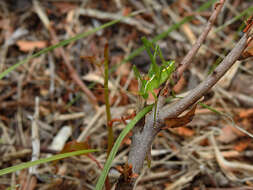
{"x":63,"y":43}
{"x":137,"y":73}
{"x":165,"y":75}
{"x":164,"y":34}
{"x":248,"y":11}
{"x":169,"y":30}
{"x":43,"y":160}
{"x":115,"y":148}
{"x":148,"y":46}
{"x":228,"y":118}
{"x":210,"y":108}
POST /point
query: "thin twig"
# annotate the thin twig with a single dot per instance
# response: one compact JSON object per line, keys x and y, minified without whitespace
{"x":35,"y":137}
{"x":207,"y":84}
{"x":84,"y":133}
{"x":141,"y":25}
{"x":228,"y":166}
{"x":185,"y":63}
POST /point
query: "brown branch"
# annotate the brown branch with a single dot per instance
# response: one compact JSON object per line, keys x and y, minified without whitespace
{"x":185,"y":63}
{"x":143,"y":136}
{"x":142,"y":139}
{"x":208,"y":83}
{"x":188,"y":58}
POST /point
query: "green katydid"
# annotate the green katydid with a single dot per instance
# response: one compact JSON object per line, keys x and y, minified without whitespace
{"x":157,"y":75}
{"x":155,"y":80}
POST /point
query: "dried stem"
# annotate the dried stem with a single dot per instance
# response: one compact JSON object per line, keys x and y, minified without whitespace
{"x":107,"y":102}
{"x":73,"y":74}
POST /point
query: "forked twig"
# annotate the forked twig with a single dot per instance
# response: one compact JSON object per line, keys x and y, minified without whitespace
{"x":143,"y":136}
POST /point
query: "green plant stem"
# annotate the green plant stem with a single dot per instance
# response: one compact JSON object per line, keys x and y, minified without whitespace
{"x":107,"y":102}
{"x":116,"y":146}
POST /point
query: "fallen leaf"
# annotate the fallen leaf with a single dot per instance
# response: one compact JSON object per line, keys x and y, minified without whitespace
{"x":248,"y":52}
{"x":183,"y":131}
{"x":249,"y":49}
{"x":160,"y":134}
{"x":126,"y":11}
{"x":151,"y":99}
{"x":71,"y":147}
{"x":127,"y":172}
{"x":204,"y":142}
{"x":229,"y":133}
{"x":30,"y":45}
{"x":93,"y":77}
{"x":64,"y":7}
{"x":242,"y":145}
{"x":74,"y":146}
{"x":180,"y":121}
{"x":123,"y":69}
{"x":246,"y":113}
{"x":133,"y":87}
{"x":127,"y":140}
{"x":228,"y":77}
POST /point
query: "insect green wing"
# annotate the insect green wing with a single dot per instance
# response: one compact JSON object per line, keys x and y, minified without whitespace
{"x":155,"y":81}
{"x":157,"y":75}
{"x":167,"y":71}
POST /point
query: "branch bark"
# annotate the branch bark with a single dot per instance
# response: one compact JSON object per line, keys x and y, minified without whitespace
{"x":143,"y":136}
{"x":208,"y":83}
{"x":188,"y":58}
